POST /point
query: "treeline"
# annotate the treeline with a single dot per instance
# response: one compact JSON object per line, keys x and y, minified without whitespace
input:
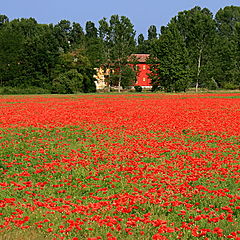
{"x":61,"y":58}
{"x":196,"y":49}
{"x":44,"y":58}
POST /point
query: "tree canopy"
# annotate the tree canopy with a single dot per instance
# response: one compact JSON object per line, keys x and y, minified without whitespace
{"x":195,"y":49}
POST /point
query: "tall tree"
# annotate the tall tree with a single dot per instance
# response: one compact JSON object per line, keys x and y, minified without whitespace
{"x":11,"y":44}
{"x":237,"y":36}
{"x":30,"y":52}
{"x":15,"y":34}
{"x":152,"y":32}
{"x":104,"y":35}
{"x":226,"y":20}
{"x":198,"y":29}
{"x":91,"y":30}
{"x":26,"y":26}
{"x":62,"y":34}
{"x":3,"y":19}
{"x":140,"y":39}
{"x":143,"y":46}
{"x":93,"y":44}
{"x":74,"y":73}
{"x":118,"y":35}
{"x":39,"y":56}
{"x":225,"y":54}
{"x":76,"y":35}
{"x":173,"y":72}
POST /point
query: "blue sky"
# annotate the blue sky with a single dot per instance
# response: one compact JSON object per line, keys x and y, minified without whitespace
{"x":142,"y":13}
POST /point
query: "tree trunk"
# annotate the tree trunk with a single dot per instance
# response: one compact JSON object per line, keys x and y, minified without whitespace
{"x":119,"y":84}
{"x":198,"y":69}
{"x":120,"y":78}
{"x":109,"y":84}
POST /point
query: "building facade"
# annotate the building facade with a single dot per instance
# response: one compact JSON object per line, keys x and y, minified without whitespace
{"x":100,"y":79}
{"x":142,"y":78}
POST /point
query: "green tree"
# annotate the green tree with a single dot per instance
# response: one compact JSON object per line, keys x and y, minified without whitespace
{"x":227,"y":19}
{"x":198,"y":30}
{"x":62,"y":34}
{"x":173,"y":72}
{"x":225,"y":50}
{"x":26,"y":26}
{"x":68,"y":82}
{"x":14,"y":35}
{"x":11,"y":44}
{"x":93,"y":45}
{"x":76,"y":35}
{"x":34,"y":51}
{"x":128,"y":76}
{"x":40,"y":54}
{"x":91,"y":30}
{"x":3,"y":19}
{"x":152,"y":32}
{"x":119,"y":39}
{"x":75,"y":62}
{"x":237,"y":60}
{"x":143,"y":46}
{"x":140,"y":39}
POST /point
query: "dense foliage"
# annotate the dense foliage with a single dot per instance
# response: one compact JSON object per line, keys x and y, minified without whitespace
{"x":206,"y":48}
{"x":195,"y":49}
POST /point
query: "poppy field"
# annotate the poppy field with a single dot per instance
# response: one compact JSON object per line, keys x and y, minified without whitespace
{"x":128,"y":167}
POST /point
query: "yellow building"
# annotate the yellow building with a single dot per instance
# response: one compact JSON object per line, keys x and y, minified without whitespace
{"x":100,"y":77}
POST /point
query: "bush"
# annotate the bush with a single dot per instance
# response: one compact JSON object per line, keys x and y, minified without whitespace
{"x":21,"y":90}
{"x":230,"y":86}
{"x":69,"y":82}
{"x":138,"y":88}
{"x":89,"y":85}
{"x":156,"y":88}
{"x":210,"y":84}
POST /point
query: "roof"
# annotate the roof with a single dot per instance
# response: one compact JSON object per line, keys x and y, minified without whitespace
{"x":142,"y":58}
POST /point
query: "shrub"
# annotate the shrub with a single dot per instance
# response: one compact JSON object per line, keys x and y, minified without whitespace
{"x":230,"y":86}
{"x":69,"y":82}
{"x":156,"y":88}
{"x":138,"y":88}
{"x":20,"y":90}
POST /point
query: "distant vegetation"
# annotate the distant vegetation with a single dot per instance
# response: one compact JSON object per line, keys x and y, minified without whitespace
{"x":195,"y":49}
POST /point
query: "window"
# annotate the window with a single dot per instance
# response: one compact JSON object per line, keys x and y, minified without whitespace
{"x":144,"y":67}
{"x":144,"y":79}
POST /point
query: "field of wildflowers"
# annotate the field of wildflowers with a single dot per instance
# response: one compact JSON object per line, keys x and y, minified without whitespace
{"x":141,"y":166}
